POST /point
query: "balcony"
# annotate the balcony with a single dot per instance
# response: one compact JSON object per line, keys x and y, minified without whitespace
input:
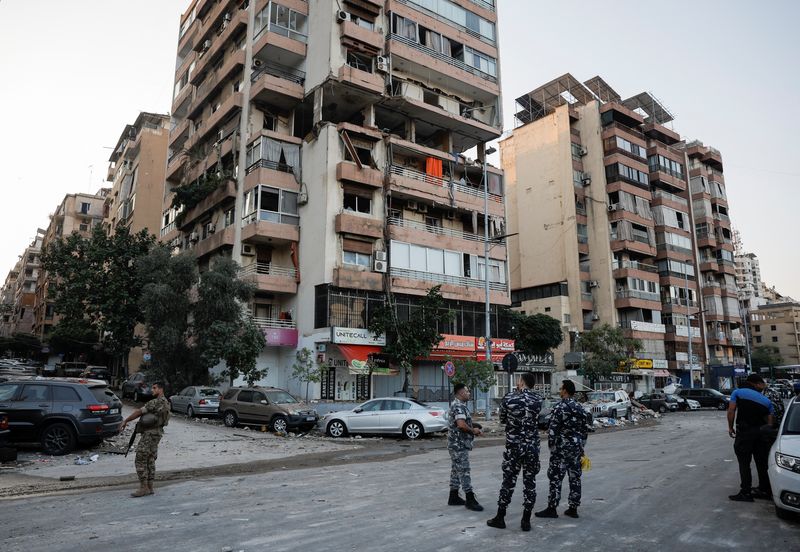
{"x":635,"y":269}
{"x":225,"y":191}
{"x":416,"y":282}
{"x":629,"y":298}
{"x":357,"y":35}
{"x":372,"y":82}
{"x":353,"y":278}
{"x":275,"y":42}
{"x":637,"y":326}
{"x":270,"y":228}
{"x":278,"y":332}
{"x":661,"y":197}
{"x":278,"y":85}
{"x":215,"y":81}
{"x":360,"y":225}
{"x":270,"y":277}
{"x":214,"y":242}
{"x":442,"y":238}
{"x":232,"y":103}
{"x":345,"y":170}
{"x":208,"y":57}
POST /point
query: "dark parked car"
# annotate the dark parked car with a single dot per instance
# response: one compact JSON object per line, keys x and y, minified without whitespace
{"x":266,"y":405}
{"x":136,"y":386}
{"x":60,"y":412}
{"x":7,"y":452}
{"x":658,"y":402}
{"x":97,"y":372}
{"x":707,"y":397}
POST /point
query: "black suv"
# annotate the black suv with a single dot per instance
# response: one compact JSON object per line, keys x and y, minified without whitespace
{"x":59,"y":413}
{"x":706,"y":397}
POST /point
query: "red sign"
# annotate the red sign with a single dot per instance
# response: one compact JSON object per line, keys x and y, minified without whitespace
{"x":281,"y":337}
{"x":499,"y":345}
{"x":456,"y":343}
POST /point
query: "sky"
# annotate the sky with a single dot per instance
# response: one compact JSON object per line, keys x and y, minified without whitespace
{"x":726,"y":69}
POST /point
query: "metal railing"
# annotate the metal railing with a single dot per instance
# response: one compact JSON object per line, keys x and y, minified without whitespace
{"x":280,"y":71}
{"x":268,"y":269}
{"x":168,"y":228}
{"x":274,"y":323}
{"x":485,"y":4}
{"x":274,"y":165}
{"x":445,"y":279}
{"x":636,"y":294}
{"x":586,"y":296}
{"x":634,"y":265}
{"x":678,"y":301}
{"x":441,"y":57}
{"x":722,"y":216}
{"x":671,"y":197}
{"x":414,"y":174}
{"x":395,"y":221}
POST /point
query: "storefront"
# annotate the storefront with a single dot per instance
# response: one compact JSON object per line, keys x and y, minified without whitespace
{"x":541,"y":366}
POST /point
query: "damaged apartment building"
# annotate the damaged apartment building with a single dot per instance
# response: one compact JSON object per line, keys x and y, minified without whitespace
{"x":330,"y":139}
{"x":621,"y":221}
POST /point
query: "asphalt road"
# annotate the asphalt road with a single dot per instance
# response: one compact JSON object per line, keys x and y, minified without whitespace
{"x":662,"y":487}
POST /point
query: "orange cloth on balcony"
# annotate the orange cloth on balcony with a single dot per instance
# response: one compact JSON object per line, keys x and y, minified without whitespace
{"x":433,"y":167}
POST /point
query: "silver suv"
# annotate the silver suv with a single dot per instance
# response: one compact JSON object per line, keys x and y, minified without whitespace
{"x":612,"y":404}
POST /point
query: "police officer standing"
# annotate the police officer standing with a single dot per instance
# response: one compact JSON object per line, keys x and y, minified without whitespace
{"x":519,"y":411}
{"x":566,"y":438}
{"x":461,"y":432}
{"x":154,"y":416}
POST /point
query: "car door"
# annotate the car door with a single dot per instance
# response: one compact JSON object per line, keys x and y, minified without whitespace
{"x":367,"y":419}
{"x":188,"y":398}
{"x":30,"y":408}
{"x":179,"y":401}
{"x":393,"y":415}
{"x":244,"y":404}
{"x":262,"y":411}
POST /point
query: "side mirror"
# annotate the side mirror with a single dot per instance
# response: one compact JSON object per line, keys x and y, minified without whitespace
{"x":358,"y":410}
{"x":264,"y":401}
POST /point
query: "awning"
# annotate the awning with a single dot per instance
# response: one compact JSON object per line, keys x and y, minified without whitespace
{"x":357,"y":357}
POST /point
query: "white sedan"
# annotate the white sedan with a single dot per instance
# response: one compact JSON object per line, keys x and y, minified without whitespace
{"x":784,"y":464}
{"x":407,"y":417}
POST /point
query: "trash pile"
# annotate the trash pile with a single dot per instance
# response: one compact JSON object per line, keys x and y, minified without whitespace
{"x":83,"y":460}
{"x":633,"y":419}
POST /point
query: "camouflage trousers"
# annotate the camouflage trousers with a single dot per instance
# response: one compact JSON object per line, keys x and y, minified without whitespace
{"x":146,"y":454}
{"x":515,"y":460}
{"x":459,"y":472}
{"x":564,"y":462}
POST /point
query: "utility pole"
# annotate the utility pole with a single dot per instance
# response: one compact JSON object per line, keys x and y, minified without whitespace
{"x":689,"y":324}
{"x":488,"y":330}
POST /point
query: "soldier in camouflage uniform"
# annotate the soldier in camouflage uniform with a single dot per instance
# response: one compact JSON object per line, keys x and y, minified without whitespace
{"x":566,"y":438}
{"x":519,"y":411}
{"x":147,"y":450}
{"x":461,"y":432}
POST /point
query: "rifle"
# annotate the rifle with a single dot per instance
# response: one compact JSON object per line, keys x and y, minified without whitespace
{"x":133,"y":438}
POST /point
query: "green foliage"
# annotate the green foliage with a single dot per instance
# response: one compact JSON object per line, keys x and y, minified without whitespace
{"x":409,"y":340}
{"x":476,"y":374}
{"x":95,"y":288}
{"x":306,"y":369}
{"x":189,"y":195}
{"x":21,"y":345}
{"x":604,"y":347}
{"x":535,"y":334}
{"x":765,"y":357}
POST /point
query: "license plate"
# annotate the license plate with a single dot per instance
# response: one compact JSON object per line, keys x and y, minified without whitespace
{"x":114,"y":411}
{"x":310,"y":418}
{"x":213,"y":404}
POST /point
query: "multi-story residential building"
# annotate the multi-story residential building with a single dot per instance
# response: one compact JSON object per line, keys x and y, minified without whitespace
{"x":19,"y":290}
{"x":748,"y":280}
{"x":329,"y":138}
{"x":7,"y":300}
{"x":598,"y":192}
{"x":778,"y":326}
{"x":136,"y":169}
{"x":77,"y":213}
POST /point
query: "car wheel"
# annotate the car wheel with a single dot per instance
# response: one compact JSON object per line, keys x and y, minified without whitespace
{"x":278,"y":424}
{"x":336,"y":428}
{"x":58,"y":439}
{"x":230,"y":418}
{"x":783,"y":514}
{"x":722,"y":406}
{"x":612,"y":413}
{"x":662,"y":409}
{"x":190,"y":411}
{"x":413,"y":430}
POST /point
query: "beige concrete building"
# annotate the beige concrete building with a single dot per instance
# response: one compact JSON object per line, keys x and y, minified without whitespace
{"x":333,"y":136}
{"x":7,"y":300}
{"x":598,"y":191}
{"x":76,"y":213}
{"x":136,"y":170}
{"x":19,"y":291}
{"x":778,"y":325}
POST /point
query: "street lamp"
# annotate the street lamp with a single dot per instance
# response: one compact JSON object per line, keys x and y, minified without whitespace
{"x":488,"y":331}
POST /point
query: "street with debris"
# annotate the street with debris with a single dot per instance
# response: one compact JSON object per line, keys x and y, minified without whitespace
{"x":662,"y":485}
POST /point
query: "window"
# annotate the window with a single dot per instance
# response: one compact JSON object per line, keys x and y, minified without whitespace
{"x":281,"y":20}
{"x":359,"y":61}
{"x":245,"y":396}
{"x":758,"y":339}
{"x":35,"y":392}
{"x":774,"y":338}
{"x":618,"y":142}
{"x":357,"y":203}
{"x":7,"y":391}
{"x":271,"y":204}
{"x":773,"y":328}
{"x":228,"y":217}
{"x":85,"y":208}
{"x":358,"y":259}
{"x":65,"y":394}
{"x":576,"y":151}
{"x":664,"y":164}
{"x":758,"y":328}
{"x":619,"y":171}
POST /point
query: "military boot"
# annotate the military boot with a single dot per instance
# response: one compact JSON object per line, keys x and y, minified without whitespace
{"x":150,"y":487}
{"x":549,"y":512}
{"x":454,"y":499}
{"x":143,"y":491}
{"x":572,"y":512}
{"x":472,"y":503}
{"x":526,"y":519}
{"x":498,"y":521}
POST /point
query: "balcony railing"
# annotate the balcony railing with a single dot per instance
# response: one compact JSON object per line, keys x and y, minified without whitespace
{"x":636,"y":294}
{"x":414,"y":174}
{"x":274,"y":165}
{"x":485,"y":4}
{"x":642,"y":326}
{"x":586,"y":296}
{"x":721,"y":216}
{"x":168,"y":228}
{"x":634,"y":265}
{"x":281,"y":30}
{"x":441,"y":57}
{"x":395,"y":221}
{"x":274,"y":323}
{"x":256,"y":269}
{"x":678,"y":301}
{"x":670,"y":197}
{"x":446,"y":279}
{"x":282,"y":72}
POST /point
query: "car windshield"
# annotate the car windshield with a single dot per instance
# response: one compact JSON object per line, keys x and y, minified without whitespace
{"x":604,"y":397}
{"x":280,"y":397}
{"x":102,"y":393}
{"x":208,"y":392}
{"x":792,"y":424}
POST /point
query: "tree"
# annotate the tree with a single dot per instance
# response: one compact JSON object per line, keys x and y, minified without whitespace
{"x":765,"y":357}
{"x":223,"y":330}
{"x":410,"y":339}
{"x":604,"y":347}
{"x":306,"y":369}
{"x":535,"y":334}
{"x":21,"y":345}
{"x":95,"y":287}
{"x":476,"y":374}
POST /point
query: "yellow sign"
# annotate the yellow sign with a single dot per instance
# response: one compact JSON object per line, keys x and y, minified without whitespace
{"x":638,"y":363}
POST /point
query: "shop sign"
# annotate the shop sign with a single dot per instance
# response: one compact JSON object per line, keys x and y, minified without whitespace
{"x":546,"y":359}
{"x":456,"y":343}
{"x":281,"y":337}
{"x":637,"y":363}
{"x":615,"y":378}
{"x":499,"y":345}
{"x":660,"y":364}
{"x":356,"y":336}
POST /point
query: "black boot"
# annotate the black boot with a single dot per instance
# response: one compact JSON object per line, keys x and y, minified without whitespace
{"x":454,"y":499}
{"x":498,"y":521}
{"x":572,"y":512}
{"x":526,"y":519}
{"x":548,"y":512}
{"x":472,"y":503}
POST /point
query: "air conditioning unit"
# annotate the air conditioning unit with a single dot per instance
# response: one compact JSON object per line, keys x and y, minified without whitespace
{"x":380,"y":266}
{"x":612,"y":207}
{"x":595,"y":317}
{"x":206,"y":45}
{"x":411,"y":204}
{"x":257,"y":63}
{"x":586,"y":179}
{"x":584,"y":152}
{"x":380,"y":256}
{"x":450,"y":215}
{"x":593,"y":283}
{"x":211,"y":228}
{"x":382,"y":63}
{"x":342,"y":15}
{"x":194,"y":236}
{"x":248,"y":250}
{"x":422,"y":208}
